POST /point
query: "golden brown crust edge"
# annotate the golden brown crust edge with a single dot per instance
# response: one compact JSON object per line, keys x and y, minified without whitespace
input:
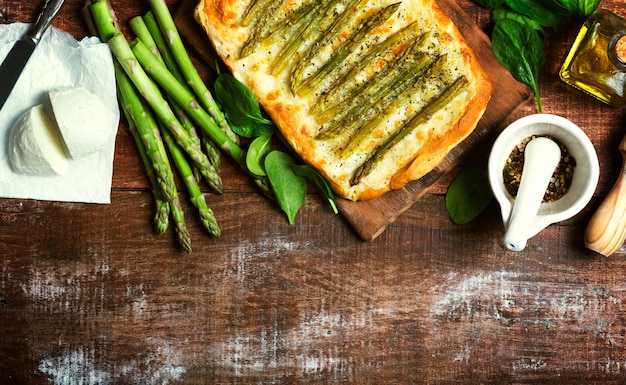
{"x":221,"y":10}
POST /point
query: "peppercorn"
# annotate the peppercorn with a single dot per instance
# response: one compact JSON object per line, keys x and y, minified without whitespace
{"x":561,"y":179}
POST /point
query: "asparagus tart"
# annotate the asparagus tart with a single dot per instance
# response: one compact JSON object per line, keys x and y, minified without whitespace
{"x":371,"y":93}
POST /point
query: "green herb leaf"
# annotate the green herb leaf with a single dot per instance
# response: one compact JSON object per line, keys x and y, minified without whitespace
{"x":504,"y":12}
{"x":468,"y":195}
{"x":289,"y":188}
{"x":581,"y":8}
{"x":239,"y":103}
{"x":548,"y":13}
{"x":519,"y":48}
{"x":250,"y":129}
{"x":319,"y":182}
{"x":257,"y":151}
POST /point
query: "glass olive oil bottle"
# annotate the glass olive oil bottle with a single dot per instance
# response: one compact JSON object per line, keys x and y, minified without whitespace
{"x":596,"y":62}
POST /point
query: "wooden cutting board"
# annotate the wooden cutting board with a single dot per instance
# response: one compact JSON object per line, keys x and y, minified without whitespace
{"x":371,"y":218}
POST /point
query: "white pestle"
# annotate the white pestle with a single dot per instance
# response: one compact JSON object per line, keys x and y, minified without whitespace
{"x":541,"y":157}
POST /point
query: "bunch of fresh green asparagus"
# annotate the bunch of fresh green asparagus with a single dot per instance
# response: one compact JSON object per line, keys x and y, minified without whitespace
{"x":172,"y":114}
{"x":163,"y":114}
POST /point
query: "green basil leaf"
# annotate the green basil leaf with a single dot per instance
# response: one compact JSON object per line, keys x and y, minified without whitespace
{"x":468,"y":195}
{"x":289,"y":188}
{"x":251,"y":129}
{"x":581,"y":8}
{"x":255,"y":156}
{"x":548,"y":13}
{"x":238,"y":102}
{"x":519,"y":48}
{"x":504,"y":12}
{"x":319,"y":182}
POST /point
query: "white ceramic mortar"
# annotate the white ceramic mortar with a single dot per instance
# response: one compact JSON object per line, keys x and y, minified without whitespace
{"x":584,"y":179}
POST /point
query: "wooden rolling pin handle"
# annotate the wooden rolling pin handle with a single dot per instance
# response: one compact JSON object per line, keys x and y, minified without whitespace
{"x":606,"y":231}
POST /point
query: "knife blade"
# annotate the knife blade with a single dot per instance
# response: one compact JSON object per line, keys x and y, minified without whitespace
{"x":13,"y":65}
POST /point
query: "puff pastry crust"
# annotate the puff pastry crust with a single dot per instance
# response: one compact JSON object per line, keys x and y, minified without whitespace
{"x":371,"y":93}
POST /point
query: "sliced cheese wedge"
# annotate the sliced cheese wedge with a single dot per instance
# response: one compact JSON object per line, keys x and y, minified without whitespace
{"x":35,"y":147}
{"x":84,"y":121}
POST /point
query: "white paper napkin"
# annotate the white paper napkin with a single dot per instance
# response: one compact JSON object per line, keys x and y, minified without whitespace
{"x":59,"y":61}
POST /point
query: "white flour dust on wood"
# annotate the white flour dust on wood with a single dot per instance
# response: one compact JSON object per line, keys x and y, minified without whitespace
{"x":509,"y":302}
{"x":79,"y":366}
{"x":63,"y":292}
{"x":313,"y":346}
{"x":268,"y":249}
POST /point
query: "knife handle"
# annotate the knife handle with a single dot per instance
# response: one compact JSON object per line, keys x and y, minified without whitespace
{"x":50,"y":9}
{"x":606,"y":230}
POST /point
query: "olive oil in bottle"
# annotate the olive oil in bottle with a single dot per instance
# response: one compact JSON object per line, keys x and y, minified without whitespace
{"x":596,"y":62}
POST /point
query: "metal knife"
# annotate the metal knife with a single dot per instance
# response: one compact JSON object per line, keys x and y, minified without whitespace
{"x":12,"y":66}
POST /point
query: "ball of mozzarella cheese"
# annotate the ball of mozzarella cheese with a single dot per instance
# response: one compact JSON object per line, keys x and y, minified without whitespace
{"x":84,"y":121}
{"x":35,"y":147}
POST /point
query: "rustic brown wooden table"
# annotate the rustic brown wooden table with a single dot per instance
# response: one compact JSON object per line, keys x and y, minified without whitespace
{"x":89,"y":294}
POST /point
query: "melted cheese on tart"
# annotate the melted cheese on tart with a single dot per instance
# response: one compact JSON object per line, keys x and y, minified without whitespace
{"x":373,"y":96}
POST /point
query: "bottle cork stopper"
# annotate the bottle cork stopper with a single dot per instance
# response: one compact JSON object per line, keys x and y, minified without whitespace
{"x":620,"y":49}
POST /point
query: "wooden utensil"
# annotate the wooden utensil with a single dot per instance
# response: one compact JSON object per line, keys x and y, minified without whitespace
{"x":606,"y":231}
